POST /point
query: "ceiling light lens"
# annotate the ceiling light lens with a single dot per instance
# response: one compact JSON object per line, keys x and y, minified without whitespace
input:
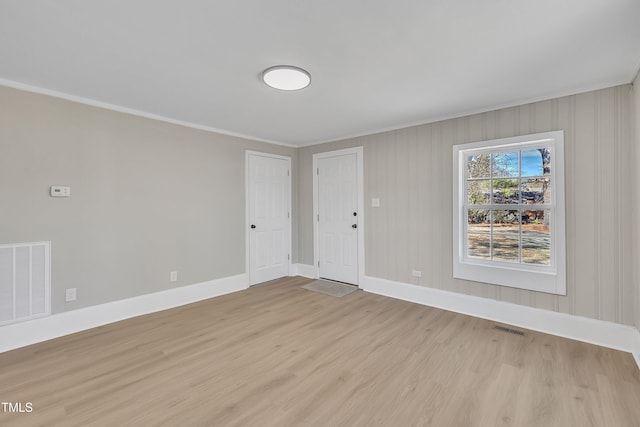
{"x":286,"y":77}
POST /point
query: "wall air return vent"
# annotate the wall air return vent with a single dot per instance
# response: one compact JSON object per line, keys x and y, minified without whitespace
{"x":25,"y":281}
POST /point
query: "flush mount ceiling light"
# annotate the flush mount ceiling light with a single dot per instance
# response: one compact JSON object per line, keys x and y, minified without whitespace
{"x":286,"y":77}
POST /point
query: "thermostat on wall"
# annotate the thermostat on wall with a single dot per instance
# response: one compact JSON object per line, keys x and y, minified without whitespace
{"x":59,"y":191}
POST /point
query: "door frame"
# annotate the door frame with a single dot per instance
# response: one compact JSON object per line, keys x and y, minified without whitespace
{"x":246,"y":209}
{"x":359,"y":152}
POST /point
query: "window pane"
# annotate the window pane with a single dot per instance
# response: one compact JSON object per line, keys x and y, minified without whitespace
{"x":536,"y":223}
{"x":478,"y":192}
{"x":506,"y":222}
{"x":506,"y":191}
{"x":536,"y":190}
{"x":536,"y":251}
{"x":505,"y":164}
{"x":479,"y":246}
{"x":478,"y":221}
{"x":479,"y":166}
{"x":546,"y":160}
{"x":506,"y":248}
{"x":532,"y":162}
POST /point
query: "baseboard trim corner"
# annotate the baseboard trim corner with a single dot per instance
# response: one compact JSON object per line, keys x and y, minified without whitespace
{"x":598,"y":332}
{"x":304,"y":270}
{"x":57,"y":325}
{"x":636,"y":352}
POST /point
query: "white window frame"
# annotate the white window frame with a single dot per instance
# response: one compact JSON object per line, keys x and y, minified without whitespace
{"x":550,"y":279}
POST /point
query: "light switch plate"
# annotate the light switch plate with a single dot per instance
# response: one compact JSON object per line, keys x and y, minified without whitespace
{"x":375,"y":202}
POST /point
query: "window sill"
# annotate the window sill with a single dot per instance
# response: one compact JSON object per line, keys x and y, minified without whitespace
{"x":514,"y":277}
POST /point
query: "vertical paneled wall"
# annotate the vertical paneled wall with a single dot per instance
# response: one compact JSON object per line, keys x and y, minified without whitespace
{"x":410,"y":170}
{"x":636,"y":181}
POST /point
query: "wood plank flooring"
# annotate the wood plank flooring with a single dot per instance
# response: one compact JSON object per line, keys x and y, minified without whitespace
{"x":279,"y":355}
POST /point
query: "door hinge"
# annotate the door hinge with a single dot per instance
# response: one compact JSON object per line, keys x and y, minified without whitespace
{"x":288,"y":256}
{"x":318,"y":217}
{"x":318,"y":263}
{"x":288,"y":214}
{"x":317,"y":171}
{"x":288,"y":172}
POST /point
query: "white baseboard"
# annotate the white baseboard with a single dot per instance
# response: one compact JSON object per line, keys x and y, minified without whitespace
{"x":606,"y":334}
{"x":33,"y":331}
{"x":304,"y":270}
{"x":636,"y":352}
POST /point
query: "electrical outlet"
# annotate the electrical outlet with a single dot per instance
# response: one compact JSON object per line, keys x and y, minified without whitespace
{"x":70,"y":294}
{"x":416,"y":273}
{"x":174,"y":276}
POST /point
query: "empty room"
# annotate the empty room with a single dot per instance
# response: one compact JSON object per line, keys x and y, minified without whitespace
{"x":320,"y":213}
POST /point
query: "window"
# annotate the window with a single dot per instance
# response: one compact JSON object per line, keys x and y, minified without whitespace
{"x":509,"y":212}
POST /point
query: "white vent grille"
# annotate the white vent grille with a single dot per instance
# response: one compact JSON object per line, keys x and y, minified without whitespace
{"x":25,"y":281}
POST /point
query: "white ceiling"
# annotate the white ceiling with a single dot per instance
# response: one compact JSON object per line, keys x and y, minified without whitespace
{"x":375,"y":64}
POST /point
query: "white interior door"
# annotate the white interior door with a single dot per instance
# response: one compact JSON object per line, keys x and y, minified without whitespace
{"x":269,"y":217}
{"x":338,"y":218}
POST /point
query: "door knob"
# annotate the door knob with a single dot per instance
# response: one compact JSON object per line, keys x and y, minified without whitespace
{"x":354,"y":226}
{"x":253,"y":226}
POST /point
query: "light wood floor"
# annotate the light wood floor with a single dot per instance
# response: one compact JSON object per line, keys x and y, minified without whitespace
{"x":279,"y":355}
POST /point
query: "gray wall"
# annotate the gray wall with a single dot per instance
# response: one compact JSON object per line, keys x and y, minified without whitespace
{"x":636,"y":180}
{"x":150,"y":197}
{"x":410,"y":170}
{"x":147,"y":197}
